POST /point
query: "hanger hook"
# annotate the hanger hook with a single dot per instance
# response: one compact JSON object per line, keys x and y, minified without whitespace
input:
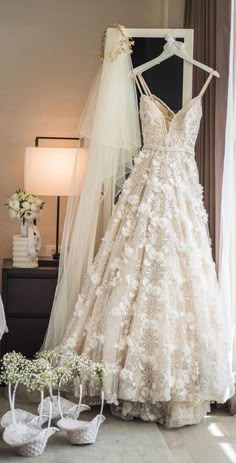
{"x":170,"y":36}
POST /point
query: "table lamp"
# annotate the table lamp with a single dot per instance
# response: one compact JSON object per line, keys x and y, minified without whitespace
{"x":48,"y":172}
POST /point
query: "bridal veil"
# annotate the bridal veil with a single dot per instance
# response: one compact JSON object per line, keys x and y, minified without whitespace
{"x":110,"y":127}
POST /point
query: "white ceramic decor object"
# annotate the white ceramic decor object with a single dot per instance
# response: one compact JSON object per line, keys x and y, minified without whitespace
{"x":21,"y":256}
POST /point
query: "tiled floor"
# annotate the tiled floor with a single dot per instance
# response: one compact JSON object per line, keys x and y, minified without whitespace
{"x":118,"y":442}
{"x":212,"y":441}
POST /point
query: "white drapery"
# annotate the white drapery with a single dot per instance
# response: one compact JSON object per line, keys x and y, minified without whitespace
{"x":227,"y":271}
{"x":3,"y":326}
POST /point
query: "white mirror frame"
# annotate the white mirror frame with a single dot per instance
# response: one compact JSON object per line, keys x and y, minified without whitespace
{"x":187,"y":35}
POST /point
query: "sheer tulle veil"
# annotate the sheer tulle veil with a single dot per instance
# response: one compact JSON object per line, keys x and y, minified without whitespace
{"x":110,"y":127}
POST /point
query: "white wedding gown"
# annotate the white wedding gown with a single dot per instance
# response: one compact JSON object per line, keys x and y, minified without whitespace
{"x":150,"y":303}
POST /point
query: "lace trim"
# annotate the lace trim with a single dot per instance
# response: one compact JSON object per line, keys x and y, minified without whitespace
{"x":125,"y":44}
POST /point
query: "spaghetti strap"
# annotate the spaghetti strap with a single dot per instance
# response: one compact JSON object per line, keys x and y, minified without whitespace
{"x":138,"y":85}
{"x":145,"y":86}
{"x":142,"y":86}
{"x":206,"y":84}
{"x":145,"y":90}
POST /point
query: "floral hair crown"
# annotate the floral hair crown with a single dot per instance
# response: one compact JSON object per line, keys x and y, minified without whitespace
{"x":125,"y":44}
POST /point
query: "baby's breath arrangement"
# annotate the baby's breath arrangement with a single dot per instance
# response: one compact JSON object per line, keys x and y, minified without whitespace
{"x":50,"y":355}
{"x":65,"y":369}
{"x":39,"y":375}
{"x":80,"y":364}
{"x":13,"y":366}
{"x":100,"y":370}
{"x":48,"y":371}
{"x":63,"y":376}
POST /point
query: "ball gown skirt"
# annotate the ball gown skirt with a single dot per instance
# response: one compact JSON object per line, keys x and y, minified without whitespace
{"x":150,"y":303}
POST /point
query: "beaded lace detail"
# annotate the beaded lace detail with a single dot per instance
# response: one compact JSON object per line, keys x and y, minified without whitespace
{"x":181,"y":130}
{"x":150,"y":303}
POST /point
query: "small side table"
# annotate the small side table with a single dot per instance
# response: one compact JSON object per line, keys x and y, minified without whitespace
{"x":27,"y":297}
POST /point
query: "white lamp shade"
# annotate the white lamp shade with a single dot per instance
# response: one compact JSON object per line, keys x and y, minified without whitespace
{"x":48,"y":171}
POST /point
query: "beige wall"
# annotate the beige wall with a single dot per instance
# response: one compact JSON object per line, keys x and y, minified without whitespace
{"x":175,"y":13}
{"x":48,"y":58}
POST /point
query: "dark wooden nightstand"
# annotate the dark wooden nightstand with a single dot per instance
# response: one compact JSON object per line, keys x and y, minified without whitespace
{"x":27,"y":297}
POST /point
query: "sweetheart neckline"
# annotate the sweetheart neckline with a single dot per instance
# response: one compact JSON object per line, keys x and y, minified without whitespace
{"x":195,"y":98}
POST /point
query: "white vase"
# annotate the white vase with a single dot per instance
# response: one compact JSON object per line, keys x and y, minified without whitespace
{"x":24,"y":228}
{"x":24,"y":225}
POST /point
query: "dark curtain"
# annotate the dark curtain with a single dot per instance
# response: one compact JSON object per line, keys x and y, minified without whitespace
{"x":210,"y":20}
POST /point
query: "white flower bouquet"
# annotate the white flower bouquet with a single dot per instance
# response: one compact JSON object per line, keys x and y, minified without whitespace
{"x":24,"y":206}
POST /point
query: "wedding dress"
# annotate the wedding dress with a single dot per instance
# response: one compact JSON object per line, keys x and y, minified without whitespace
{"x":150,"y":303}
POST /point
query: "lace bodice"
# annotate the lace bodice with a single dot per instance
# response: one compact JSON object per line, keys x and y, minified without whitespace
{"x":163,"y":128}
